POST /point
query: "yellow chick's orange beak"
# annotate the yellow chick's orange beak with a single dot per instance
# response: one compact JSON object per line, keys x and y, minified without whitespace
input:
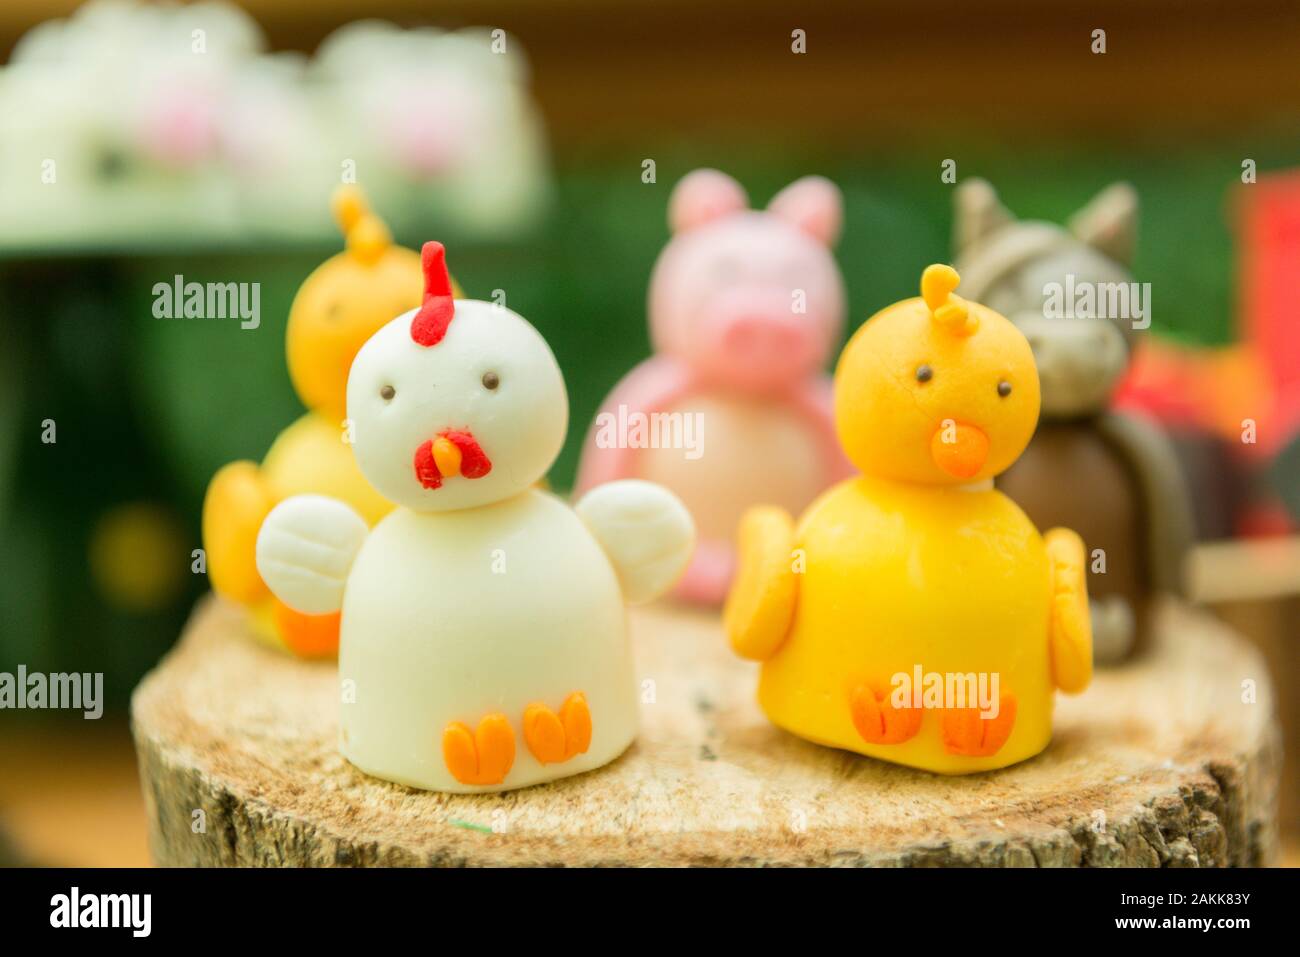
{"x":959,"y":449}
{"x":446,"y":456}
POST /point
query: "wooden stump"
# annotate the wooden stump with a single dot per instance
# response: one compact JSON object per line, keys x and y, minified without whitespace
{"x":1160,"y":763}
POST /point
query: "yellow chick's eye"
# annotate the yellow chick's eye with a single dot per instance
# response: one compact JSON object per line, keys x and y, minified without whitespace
{"x":1004,"y":388}
{"x":924,"y":373}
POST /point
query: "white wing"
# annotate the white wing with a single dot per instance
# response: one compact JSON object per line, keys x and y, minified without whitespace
{"x":646,"y":532}
{"x":305,"y":549}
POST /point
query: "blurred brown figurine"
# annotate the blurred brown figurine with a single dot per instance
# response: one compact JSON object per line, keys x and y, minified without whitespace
{"x":1112,"y":477}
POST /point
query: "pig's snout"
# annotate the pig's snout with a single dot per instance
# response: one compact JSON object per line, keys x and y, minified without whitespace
{"x":762,"y":350}
{"x":763,"y":339}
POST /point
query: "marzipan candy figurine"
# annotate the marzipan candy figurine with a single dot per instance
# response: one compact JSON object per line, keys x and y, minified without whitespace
{"x":914,"y":613}
{"x":1112,"y":477}
{"x":745,"y":308}
{"x":484,"y":639}
{"x":339,"y":306}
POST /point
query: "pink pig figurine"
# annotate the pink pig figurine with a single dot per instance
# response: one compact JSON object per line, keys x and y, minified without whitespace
{"x":734,"y":408}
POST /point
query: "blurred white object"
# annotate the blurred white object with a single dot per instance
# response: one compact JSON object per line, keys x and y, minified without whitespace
{"x":278,"y":146}
{"x":108,"y":123}
{"x":131,"y":121}
{"x":439,"y":124}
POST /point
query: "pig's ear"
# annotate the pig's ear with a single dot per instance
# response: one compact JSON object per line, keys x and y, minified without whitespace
{"x":702,"y":196}
{"x":815,"y":205}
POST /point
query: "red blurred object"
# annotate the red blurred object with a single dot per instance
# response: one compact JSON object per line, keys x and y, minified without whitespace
{"x":1269,"y":264}
{"x":1161,"y":382}
{"x":1257,"y":378}
{"x":1247,"y":395}
{"x":1220,"y":390}
{"x":1264,"y":519}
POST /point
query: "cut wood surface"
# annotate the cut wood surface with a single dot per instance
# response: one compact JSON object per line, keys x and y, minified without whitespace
{"x":1168,"y":761}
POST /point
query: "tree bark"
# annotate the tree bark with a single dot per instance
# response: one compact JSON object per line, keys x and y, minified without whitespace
{"x":1168,"y":761}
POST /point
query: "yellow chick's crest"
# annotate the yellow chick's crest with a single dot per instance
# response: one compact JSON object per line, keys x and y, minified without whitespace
{"x":949,"y":311}
{"x":926,"y":621}
{"x":339,"y":306}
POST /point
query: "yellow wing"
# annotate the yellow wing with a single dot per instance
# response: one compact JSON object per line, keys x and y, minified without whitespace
{"x":237,"y":500}
{"x":1070,"y":629}
{"x":760,"y":607}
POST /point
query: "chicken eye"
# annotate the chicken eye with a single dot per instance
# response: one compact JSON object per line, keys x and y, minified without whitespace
{"x":924,"y":373}
{"x":491,"y":380}
{"x":1004,"y":388}
{"x":387,"y":392}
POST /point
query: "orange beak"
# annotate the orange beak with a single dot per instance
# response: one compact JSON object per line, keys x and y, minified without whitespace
{"x":959,"y":449}
{"x":446,"y":455}
{"x":455,"y":452}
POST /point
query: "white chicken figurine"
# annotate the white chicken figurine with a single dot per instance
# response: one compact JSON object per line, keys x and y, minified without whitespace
{"x":482,"y":609}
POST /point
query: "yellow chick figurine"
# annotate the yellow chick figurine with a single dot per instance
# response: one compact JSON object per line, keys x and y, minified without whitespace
{"x":338,"y":308}
{"x":915,"y":614}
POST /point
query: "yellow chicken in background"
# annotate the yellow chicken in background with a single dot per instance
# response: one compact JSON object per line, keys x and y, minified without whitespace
{"x":914,"y":613}
{"x":338,"y":307}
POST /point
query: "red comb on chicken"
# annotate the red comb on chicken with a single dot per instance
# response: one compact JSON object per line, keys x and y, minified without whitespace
{"x":431,"y":322}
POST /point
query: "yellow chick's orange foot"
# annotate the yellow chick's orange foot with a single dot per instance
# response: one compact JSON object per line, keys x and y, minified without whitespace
{"x":307,"y":636}
{"x":967,"y":732}
{"x":876,"y":718}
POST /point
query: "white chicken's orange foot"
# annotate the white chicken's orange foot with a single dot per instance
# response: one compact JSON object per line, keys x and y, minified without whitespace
{"x":553,"y":738}
{"x":482,"y":757}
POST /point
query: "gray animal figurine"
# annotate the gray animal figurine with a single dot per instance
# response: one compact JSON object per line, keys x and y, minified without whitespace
{"x":1112,"y":477}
